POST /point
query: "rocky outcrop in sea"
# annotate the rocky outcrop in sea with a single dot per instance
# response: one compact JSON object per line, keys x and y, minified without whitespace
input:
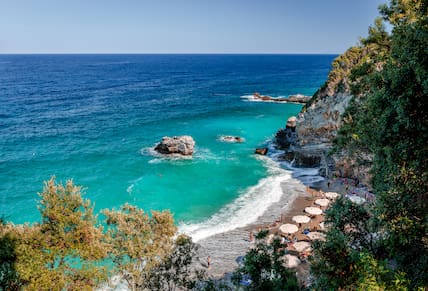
{"x":291,"y":99}
{"x":181,"y":145}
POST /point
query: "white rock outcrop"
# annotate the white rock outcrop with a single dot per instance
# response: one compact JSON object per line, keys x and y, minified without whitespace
{"x":182,"y":145}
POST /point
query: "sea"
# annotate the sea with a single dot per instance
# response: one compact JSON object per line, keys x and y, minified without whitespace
{"x":95,"y":119}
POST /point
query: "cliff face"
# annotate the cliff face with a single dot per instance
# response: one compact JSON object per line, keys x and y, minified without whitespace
{"x":319,"y":123}
{"x":309,"y":144}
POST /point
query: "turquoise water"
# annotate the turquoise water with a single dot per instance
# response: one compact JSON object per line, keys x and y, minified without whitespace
{"x":96,"y":118}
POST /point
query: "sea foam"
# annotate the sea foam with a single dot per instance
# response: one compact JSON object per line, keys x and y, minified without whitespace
{"x":244,"y":210}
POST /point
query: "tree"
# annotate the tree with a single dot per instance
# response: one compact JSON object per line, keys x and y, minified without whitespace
{"x":264,"y":265}
{"x":176,"y":270}
{"x":350,"y":232}
{"x":139,"y":242}
{"x":65,"y":250}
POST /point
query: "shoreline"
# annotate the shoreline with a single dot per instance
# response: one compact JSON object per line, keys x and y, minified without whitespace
{"x":225,"y":248}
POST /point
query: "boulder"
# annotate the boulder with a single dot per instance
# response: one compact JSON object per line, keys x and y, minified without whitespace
{"x":261,"y":151}
{"x":183,"y":145}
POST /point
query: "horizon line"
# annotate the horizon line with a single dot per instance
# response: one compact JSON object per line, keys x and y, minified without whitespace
{"x":163,"y":53}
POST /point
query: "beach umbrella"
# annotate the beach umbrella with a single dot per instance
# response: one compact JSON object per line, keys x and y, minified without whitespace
{"x":313,"y":210}
{"x":270,"y":238}
{"x":301,"y":219}
{"x":332,"y":195}
{"x":288,"y":228}
{"x":316,"y":236}
{"x":301,"y":246}
{"x":291,"y":261}
{"x":322,"y":202}
{"x":357,"y":199}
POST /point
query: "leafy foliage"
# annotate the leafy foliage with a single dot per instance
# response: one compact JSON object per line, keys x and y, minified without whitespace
{"x":264,"y":265}
{"x":63,"y":252}
{"x":69,"y":251}
{"x":176,"y":271}
{"x":9,"y":279}
{"x":139,"y":242}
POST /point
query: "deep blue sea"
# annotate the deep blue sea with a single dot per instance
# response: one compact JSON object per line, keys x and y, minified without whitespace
{"x":96,"y":118}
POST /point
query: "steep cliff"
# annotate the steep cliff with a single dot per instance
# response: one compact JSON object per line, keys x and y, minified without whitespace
{"x":311,"y":142}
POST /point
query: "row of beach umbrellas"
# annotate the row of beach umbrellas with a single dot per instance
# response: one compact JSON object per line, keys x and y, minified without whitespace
{"x":292,"y":261}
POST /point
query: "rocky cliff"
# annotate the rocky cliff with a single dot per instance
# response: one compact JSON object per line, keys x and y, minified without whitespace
{"x":309,"y":142}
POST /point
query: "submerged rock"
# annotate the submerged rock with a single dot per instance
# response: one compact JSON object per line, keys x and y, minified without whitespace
{"x":183,"y":145}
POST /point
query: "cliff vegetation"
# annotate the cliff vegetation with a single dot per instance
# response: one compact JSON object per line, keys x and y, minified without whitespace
{"x":386,"y":118}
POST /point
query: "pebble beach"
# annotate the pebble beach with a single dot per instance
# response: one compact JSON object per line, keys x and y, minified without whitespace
{"x":225,"y":248}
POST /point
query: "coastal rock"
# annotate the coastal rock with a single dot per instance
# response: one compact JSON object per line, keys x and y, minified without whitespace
{"x":291,"y":99}
{"x":291,"y":122}
{"x":284,"y":138}
{"x":288,"y":156}
{"x":183,"y":145}
{"x":299,"y":98}
{"x":232,"y":139}
{"x":308,"y":139}
{"x":261,"y":151}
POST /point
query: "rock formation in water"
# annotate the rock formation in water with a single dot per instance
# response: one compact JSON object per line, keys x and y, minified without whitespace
{"x":261,"y":151}
{"x":182,"y":145}
{"x":291,"y":99}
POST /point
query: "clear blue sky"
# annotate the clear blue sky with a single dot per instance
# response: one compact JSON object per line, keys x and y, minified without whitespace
{"x":183,"y":26}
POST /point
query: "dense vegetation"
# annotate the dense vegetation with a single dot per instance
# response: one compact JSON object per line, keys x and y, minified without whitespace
{"x":385,"y":245}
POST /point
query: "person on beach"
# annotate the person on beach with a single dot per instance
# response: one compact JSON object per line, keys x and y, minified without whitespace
{"x":208,"y":262}
{"x":251,"y":236}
